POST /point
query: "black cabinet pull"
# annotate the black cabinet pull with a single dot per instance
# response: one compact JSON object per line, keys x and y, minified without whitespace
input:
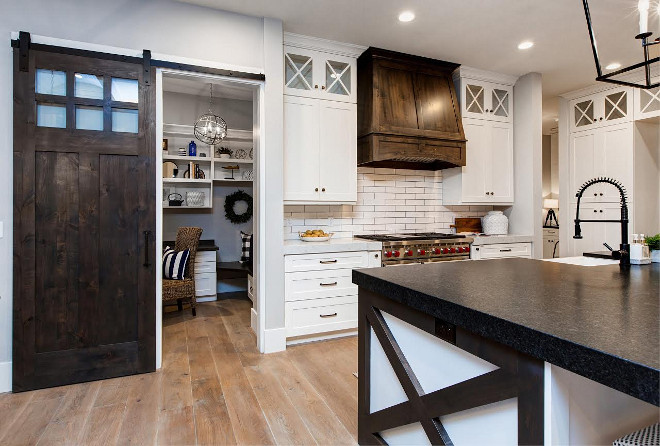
{"x":328,"y":315}
{"x":505,"y":250}
{"x":147,"y":236}
{"x":328,"y":284}
{"x":325,"y":262}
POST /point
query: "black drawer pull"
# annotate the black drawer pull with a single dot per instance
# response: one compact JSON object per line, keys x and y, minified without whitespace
{"x":328,"y":315}
{"x":325,"y":262}
{"x":328,"y":284}
{"x":505,"y":250}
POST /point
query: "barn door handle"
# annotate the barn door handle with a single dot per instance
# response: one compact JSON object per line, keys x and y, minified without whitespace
{"x":147,"y":236}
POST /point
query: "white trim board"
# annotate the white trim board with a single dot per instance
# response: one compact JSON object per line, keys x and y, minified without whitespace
{"x":5,"y":377}
{"x":324,"y":45}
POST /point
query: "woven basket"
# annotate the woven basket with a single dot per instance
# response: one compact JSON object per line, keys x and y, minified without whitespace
{"x":195,"y":198}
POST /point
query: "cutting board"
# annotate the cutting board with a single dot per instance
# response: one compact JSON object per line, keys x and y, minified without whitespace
{"x":467,"y":225}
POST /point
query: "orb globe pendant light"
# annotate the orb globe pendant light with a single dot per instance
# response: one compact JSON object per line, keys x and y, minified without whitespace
{"x":209,"y":127}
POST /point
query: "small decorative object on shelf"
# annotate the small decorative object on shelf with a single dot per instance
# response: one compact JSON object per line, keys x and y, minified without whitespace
{"x":248,"y":175}
{"x":230,"y":203}
{"x":195,"y":198}
{"x":251,"y":154}
{"x":202,"y":155}
{"x":175,"y":199}
{"x":170,"y":169}
{"x":192,"y":148}
{"x":495,"y":223}
{"x":240,"y":154}
{"x":165,"y":144}
{"x":232,"y":169}
{"x":209,"y":127}
{"x":183,"y":151}
{"x":223,"y":152}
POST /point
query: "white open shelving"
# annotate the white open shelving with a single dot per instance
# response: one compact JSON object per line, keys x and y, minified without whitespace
{"x":179,"y":135}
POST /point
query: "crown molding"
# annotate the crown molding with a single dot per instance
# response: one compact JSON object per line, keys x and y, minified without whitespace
{"x":324,"y":45}
{"x":465,"y":72}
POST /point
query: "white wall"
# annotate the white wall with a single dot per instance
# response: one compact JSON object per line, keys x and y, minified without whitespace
{"x":525,"y":216}
{"x":389,"y":200}
{"x":167,"y":28}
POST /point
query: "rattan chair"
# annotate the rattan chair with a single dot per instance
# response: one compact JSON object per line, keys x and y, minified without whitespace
{"x":184,"y":290}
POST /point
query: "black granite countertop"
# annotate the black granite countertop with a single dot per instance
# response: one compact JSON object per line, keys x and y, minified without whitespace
{"x":600,"y":322}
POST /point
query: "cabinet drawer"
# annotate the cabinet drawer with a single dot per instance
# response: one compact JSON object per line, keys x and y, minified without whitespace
{"x":309,"y":317}
{"x":315,"y":262}
{"x":550,"y":232}
{"x":205,"y":256}
{"x":503,"y":250}
{"x":318,"y":284}
{"x":205,"y":284}
{"x":204,"y":267}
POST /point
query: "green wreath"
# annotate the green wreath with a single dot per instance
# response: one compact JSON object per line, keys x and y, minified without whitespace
{"x":230,"y":202}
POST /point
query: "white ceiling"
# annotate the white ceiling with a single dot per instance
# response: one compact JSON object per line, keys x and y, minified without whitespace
{"x":479,"y":33}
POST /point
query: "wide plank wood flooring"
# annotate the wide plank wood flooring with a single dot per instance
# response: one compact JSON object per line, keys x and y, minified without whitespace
{"x":214,"y":389}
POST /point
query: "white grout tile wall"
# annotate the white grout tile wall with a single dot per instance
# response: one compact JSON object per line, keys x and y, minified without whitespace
{"x":389,"y":200}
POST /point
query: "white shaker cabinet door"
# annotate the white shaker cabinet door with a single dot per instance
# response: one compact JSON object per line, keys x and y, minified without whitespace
{"x":582,"y":153}
{"x":477,"y":133}
{"x":338,"y":151}
{"x":501,"y":165}
{"x":301,"y":149}
{"x":616,"y":158}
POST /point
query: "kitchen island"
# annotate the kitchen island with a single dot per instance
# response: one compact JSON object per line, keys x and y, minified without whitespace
{"x":507,"y":351}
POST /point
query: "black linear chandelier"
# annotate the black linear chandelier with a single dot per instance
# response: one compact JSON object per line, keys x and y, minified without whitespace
{"x":626,"y":76}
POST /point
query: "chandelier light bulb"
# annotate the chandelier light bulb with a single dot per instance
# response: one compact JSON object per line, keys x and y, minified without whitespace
{"x":643,"y":6}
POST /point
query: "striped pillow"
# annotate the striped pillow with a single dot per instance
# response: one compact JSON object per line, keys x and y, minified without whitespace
{"x":174,"y":263}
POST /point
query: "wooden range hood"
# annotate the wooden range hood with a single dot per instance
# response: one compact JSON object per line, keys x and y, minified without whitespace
{"x":408,"y":113}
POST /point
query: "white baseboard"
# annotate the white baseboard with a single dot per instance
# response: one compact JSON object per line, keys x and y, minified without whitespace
{"x":321,"y":337}
{"x":274,"y":340}
{"x":207,"y":299}
{"x":254,"y":317}
{"x":5,"y":376}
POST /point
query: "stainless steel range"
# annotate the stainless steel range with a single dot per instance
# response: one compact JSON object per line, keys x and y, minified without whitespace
{"x":424,"y":247}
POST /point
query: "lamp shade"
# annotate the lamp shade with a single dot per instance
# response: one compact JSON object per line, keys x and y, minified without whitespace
{"x":550,"y":203}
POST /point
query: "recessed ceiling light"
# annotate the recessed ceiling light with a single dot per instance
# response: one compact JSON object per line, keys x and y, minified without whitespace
{"x":525,"y":45}
{"x":406,"y":16}
{"x":613,"y":66}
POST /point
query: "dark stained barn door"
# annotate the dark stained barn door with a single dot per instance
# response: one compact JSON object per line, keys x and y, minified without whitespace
{"x":84,"y":217}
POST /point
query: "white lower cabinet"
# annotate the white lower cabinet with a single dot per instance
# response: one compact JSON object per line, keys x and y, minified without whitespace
{"x":550,"y":243}
{"x":320,"y":297}
{"x":205,"y":276}
{"x":501,"y":251}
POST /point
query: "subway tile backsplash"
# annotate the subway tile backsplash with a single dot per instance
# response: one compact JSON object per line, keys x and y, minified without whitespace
{"x":388,"y":200}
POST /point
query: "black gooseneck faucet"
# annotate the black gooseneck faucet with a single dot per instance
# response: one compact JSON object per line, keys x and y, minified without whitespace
{"x":624,"y":248}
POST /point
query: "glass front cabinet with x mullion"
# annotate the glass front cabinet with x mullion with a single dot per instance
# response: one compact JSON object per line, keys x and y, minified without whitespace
{"x":316,"y":74}
{"x":486,"y":100}
{"x":610,"y":107}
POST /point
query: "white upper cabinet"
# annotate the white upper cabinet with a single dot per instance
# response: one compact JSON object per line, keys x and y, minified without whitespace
{"x":647,"y":103}
{"x":316,"y":74}
{"x":320,"y":121}
{"x":602,"y":109}
{"x":486,"y":100}
{"x":487,"y":110}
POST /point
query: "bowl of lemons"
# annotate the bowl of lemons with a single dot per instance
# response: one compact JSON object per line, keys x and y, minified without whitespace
{"x":315,"y":235}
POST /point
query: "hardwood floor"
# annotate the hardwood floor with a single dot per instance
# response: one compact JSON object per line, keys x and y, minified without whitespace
{"x":214,"y":388}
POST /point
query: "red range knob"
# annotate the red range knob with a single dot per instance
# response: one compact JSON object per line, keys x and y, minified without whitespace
{"x":437,"y":250}
{"x":453,"y":250}
{"x":388,"y":253}
{"x":397,"y":253}
{"x":459,"y":249}
{"x":466,"y":249}
{"x":422,"y":252}
{"x":445,"y":250}
{"x":409,"y":252}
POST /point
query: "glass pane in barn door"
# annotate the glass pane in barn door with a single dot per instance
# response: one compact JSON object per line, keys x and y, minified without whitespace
{"x":474,"y":98}
{"x":338,"y":77}
{"x":616,"y":106}
{"x":88,"y":86}
{"x":50,"y":82}
{"x":298,"y":71}
{"x":649,"y":100}
{"x":584,"y":113}
{"x":500,"y":102}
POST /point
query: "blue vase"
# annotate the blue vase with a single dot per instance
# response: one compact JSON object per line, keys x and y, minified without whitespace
{"x":192,"y":149}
